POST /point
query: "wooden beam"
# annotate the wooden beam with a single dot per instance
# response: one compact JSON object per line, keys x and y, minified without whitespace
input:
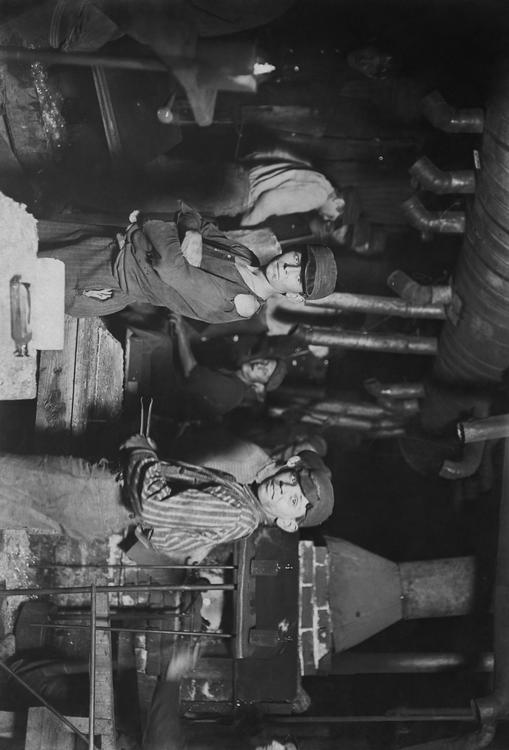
{"x":80,"y":386}
{"x":104,"y":700}
{"x":55,"y":394}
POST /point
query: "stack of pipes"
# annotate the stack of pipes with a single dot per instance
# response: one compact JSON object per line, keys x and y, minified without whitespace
{"x":386,"y":417}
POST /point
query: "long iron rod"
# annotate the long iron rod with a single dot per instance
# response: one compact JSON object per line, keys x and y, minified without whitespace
{"x":133,"y":567}
{"x":93,"y":632}
{"x":395,"y":343}
{"x":87,"y":60}
{"x":118,"y":629}
{"x":117,"y":589}
{"x":45,"y":703}
{"x":301,"y":240}
{"x":409,"y":662}
{"x":372,"y":304}
{"x":495,"y":706}
{"x":394,"y":390}
{"x":438,"y":714}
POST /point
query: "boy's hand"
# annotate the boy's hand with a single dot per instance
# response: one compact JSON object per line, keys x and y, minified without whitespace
{"x":182,"y":661}
{"x":176,"y":322}
{"x":192,"y":248}
{"x":138,"y":441}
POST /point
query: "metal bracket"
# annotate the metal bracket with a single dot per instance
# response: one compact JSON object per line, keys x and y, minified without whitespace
{"x":268,"y":638}
{"x":269,"y":567}
{"x":454,"y":309}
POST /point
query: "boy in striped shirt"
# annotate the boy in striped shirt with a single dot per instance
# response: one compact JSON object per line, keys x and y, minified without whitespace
{"x":184,"y":509}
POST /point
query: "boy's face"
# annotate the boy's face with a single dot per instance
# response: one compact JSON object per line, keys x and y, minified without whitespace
{"x":258,"y":370}
{"x":281,"y":497}
{"x":332,"y":209}
{"x":284,"y":273}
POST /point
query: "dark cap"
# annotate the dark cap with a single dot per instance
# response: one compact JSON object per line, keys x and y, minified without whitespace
{"x":353,"y":206}
{"x":277,"y":376}
{"x":315,"y":482}
{"x":319,"y":272}
{"x":279,"y":373}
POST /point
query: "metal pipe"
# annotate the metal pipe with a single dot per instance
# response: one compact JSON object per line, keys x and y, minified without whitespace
{"x":324,"y":419}
{"x":87,"y":60}
{"x":424,"y":715}
{"x":45,"y":703}
{"x":338,"y":420}
{"x":430,"y":177}
{"x":394,"y":390}
{"x":113,"y":629}
{"x":122,"y":566}
{"x":349,"y":408}
{"x":300,"y":392}
{"x":126,"y":613}
{"x":93,"y":633}
{"x":466,"y":466}
{"x":117,"y":589}
{"x":387,"y":433}
{"x":489,"y":428}
{"x":302,"y":240}
{"x":357,"y":422}
{"x":419,"y":294}
{"x":450,"y":119}
{"x":376,"y":342}
{"x":494,"y":706}
{"x":371,"y":304}
{"x":443,"y":222}
{"x":401,"y":407}
{"x":430,"y":662}
{"x":388,"y":424}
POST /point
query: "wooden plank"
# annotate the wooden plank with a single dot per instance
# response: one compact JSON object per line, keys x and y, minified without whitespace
{"x":98,"y":391}
{"x":34,"y":728}
{"x":288,"y":118}
{"x":7,"y":723}
{"x":81,"y":722}
{"x":55,"y":393}
{"x":81,"y":384}
{"x":45,"y":730}
{"x":100,"y":374}
{"x":104,"y":699}
{"x":44,"y":727}
{"x":109,"y":377}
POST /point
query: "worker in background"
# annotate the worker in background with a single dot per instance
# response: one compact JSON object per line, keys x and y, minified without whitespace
{"x":218,"y":391}
{"x":264,"y":184}
{"x":188,"y":266}
{"x":161,"y":365}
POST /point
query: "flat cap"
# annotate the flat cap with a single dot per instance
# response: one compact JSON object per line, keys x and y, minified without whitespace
{"x":319,"y":272}
{"x":315,"y":482}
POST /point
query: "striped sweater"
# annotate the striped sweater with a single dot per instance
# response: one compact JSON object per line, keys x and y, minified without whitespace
{"x":188,"y":507}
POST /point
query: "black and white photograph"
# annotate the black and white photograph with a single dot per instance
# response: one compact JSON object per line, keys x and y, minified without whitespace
{"x":254,"y":374}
